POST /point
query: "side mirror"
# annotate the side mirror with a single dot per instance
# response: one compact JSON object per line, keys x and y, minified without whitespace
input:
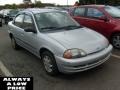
{"x":104,"y":18}
{"x":30,"y":30}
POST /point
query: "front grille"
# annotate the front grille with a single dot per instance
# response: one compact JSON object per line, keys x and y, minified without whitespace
{"x":98,"y":59}
{"x":93,"y":62}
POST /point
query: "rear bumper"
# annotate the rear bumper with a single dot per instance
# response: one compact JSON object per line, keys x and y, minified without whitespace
{"x":85,"y":63}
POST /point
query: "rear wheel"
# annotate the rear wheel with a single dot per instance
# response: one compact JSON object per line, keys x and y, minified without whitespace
{"x":14,"y":44}
{"x":116,"y":40}
{"x":49,"y":63}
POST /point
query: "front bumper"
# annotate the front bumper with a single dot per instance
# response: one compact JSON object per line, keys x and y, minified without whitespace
{"x":84,"y":63}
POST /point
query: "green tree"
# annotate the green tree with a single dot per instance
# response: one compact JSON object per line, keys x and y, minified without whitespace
{"x":14,"y":6}
{"x":38,"y":4}
{"x":7,"y":6}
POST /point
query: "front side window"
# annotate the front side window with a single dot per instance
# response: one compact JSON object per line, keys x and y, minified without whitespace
{"x":94,"y":13}
{"x":19,"y":20}
{"x":28,"y":22}
{"x":54,"y":20}
{"x":113,"y":11}
{"x":79,"y":12}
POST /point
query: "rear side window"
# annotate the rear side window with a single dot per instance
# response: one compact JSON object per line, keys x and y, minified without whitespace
{"x":19,"y":20}
{"x":79,"y":12}
{"x":95,"y":13}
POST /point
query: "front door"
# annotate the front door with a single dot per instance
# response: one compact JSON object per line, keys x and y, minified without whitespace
{"x":30,"y":38}
{"x":94,"y":22}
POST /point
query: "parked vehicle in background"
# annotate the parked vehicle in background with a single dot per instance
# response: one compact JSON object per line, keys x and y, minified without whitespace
{"x":101,"y":18}
{"x":1,"y":13}
{"x":61,"y":43}
{"x":13,"y":13}
{"x":8,"y":14}
{"x":64,"y":9}
{"x":4,"y":14}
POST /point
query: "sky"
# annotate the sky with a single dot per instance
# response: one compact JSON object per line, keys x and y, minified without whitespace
{"x":60,"y":2}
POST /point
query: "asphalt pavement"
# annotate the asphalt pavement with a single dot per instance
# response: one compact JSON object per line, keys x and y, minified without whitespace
{"x":23,"y":63}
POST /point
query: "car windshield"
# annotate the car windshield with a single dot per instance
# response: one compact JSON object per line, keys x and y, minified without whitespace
{"x":51,"y":21}
{"x":113,"y":11}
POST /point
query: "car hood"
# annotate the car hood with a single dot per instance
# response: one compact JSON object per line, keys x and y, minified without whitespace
{"x":84,"y":38}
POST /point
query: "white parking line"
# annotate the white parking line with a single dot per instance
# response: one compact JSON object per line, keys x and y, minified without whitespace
{"x":116,"y":56}
{"x":4,"y":70}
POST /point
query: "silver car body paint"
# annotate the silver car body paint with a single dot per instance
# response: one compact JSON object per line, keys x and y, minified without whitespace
{"x":94,"y":44}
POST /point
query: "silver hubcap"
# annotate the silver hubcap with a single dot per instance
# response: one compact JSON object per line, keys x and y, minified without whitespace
{"x":47,"y":63}
{"x":116,"y":41}
{"x":13,"y":43}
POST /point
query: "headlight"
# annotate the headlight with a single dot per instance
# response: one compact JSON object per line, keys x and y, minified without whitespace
{"x":74,"y":53}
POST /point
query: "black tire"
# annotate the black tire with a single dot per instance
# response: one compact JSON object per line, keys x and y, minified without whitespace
{"x":14,"y":44}
{"x":52,"y":69}
{"x":115,"y":40}
{"x":1,"y":24}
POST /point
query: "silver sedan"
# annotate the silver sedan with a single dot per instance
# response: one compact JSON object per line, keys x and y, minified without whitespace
{"x":59,"y":41}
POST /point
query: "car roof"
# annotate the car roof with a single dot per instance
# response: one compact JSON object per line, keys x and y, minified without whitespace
{"x":39,"y":10}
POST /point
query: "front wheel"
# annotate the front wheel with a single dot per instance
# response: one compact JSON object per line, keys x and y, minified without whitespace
{"x":115,"y":40}
{"x":49,"y":63}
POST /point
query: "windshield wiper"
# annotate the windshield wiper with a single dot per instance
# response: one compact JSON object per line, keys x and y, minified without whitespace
{"x":70,"y":27}
{"x":49,"y":28}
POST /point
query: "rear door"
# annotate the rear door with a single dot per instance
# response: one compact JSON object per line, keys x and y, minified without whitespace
{"x":17,"y":30}
{"x":79,"y":15}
